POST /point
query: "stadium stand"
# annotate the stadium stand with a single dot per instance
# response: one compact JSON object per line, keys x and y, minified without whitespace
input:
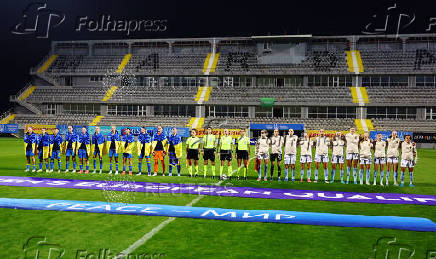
{"x":324,"y":82}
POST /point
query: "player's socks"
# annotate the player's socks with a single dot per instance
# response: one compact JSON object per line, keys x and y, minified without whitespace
{"x":368,"y":175}
{"x":67,"y":165}
{"x":229,"y":170}
{"x":213,"y":170}
{"x":47,"y":166}
{"x":87,"y":166}
{"x":196,"y":169}
{"x":316,"y":174}
{"x":148,"y":167}
{"x":81,"y":167}
{"x":395,"y":176}
{"x":124,"y":167}
{"x":402,"y":177}
{"x":355,"y":174}
{"x":265,"y":167}
{"x":361,"y":175}
{"x":95,"y":164}
{"x":375,"y":176}
{"x":286,"y":173}
{"x":205,"y":168}
{"x":190,"y":170}
{"x":221,"y":170}
{"x":326,"y":174}
{"x":110,"y":166}
{"x":116,"y":166}
{"x":279,"y":171}
{"x":411,"y":178}
{"x":101,"y":164}
{"x":388,"y":174}
{"x":259,"y":172}
{"x":272,"y":171}
{"x":59,"y":164}
{"x":382,"y":176}
{"x":170,"y":170}
{"x":245,"y":171}
{"x":130,"y":168}
{"x":301,"y":173}
{"x":40,"y":166}
{"x":309,"y":173}
{"x":178,"y":170}
{"x":51,"y":165}
{"x":74,"y":165}
{"x":34,"y":167}
{"x":293,"y":174}
{"x":333,"y":175}
{"x":139,"y":167}
{"x":342,"y":174}
{"x":348,"y":175}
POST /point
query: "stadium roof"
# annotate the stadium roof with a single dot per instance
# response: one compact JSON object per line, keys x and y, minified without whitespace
{"x":252,"y":38}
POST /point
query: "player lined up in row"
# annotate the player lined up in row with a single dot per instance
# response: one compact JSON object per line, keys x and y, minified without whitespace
{"x":357,"y":149}
{"x":350,"y":147}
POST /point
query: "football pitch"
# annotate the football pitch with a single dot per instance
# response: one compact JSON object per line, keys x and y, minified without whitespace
{"x":88,"y":235}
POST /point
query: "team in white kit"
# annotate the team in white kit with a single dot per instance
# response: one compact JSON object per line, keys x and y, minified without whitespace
{"x":350,"y":149}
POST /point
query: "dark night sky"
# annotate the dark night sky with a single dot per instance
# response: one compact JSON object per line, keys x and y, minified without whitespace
{"x":192,"y":19}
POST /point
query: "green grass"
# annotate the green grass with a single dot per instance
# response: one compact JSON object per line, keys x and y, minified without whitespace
{"x":198,"y":238}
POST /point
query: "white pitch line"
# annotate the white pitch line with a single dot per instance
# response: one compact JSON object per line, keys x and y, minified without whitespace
{"x":156,"y":229}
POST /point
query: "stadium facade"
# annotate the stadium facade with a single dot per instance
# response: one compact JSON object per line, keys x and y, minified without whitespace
{"x":382,"y":82}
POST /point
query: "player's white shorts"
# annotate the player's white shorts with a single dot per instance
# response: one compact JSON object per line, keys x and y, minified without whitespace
{"x":365,"y":160}
{"x":393,"y":160}
{"x":322,"y":158}
{"x":290,"y":159}
{"x":305,"y":159}
{"x":337,"y":159}
{"x":353,"y":156}
{"x":407,"y":163}
{"x":263,"y":156}
{"x":380,"y":160}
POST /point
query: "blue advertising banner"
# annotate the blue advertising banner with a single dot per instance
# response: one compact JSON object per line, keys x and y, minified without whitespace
{"x":267,"y":216}
{"x":63,"y":129}
{"x":253,"y":141}
{"x":8,"y":128}
{"x":278,"y":126}
{"x":103,"y":130}
{"x":386,"y":134}
{"x":78,"y":129}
